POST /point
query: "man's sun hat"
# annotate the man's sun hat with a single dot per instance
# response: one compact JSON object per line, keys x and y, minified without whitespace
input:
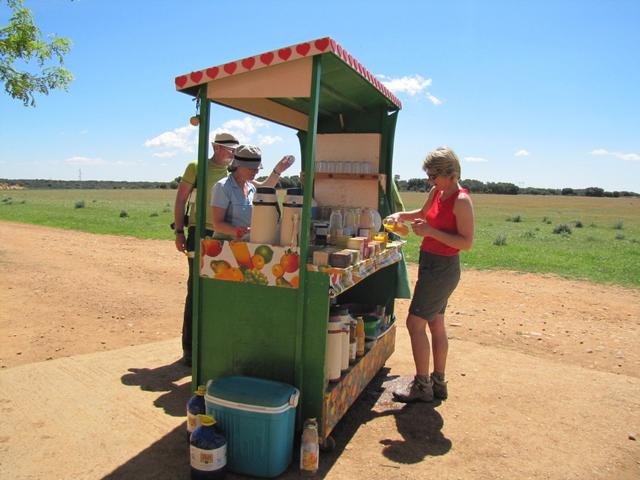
{"x":248,"y":156}
{"x":225,"y":140}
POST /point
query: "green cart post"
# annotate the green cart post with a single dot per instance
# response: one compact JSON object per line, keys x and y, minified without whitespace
{"x":278,"y":331}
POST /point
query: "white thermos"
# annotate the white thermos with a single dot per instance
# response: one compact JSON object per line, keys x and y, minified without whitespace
{"x":265,"y":216}
{"x":333,"y":354}
{"x":291,"y":210}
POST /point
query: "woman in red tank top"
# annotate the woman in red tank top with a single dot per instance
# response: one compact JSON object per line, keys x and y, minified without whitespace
{"x":446,"y":223}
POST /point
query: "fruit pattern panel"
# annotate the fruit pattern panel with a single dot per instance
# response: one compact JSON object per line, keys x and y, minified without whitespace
{"x":238,"y":261}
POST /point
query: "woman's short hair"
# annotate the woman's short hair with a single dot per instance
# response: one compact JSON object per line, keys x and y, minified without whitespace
{"x":442,"y":161}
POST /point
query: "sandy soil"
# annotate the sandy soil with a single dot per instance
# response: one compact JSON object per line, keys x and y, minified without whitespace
{"x":66,"y":293}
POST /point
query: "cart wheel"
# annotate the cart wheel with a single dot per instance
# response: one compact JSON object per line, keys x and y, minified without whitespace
{"x":328,"y":444}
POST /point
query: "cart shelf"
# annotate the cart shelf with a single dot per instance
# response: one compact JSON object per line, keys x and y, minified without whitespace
{"x":341,"y":279}
{"x":340,"y":396}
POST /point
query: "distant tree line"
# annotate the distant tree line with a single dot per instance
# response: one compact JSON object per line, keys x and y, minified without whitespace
{"x":411,"y":185}
{"x":505,"y":188}
{"x":41,"y":184}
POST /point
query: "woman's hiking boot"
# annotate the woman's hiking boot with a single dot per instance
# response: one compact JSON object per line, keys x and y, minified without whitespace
{"x":418,"y":390}
{"x":439,"y":386}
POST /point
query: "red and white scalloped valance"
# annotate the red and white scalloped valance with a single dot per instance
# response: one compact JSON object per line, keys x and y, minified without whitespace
{"x":287,"y":54}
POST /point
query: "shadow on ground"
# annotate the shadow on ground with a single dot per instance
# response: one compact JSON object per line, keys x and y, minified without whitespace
{"x":420,"y":426}
{"x":162,"y":379}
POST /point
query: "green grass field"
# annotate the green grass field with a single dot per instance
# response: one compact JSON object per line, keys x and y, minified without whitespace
{"x":605,"y":249}
{"x":101,"y":212}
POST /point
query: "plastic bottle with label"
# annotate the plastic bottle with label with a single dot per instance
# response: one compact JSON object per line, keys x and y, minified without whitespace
{"x":335,"y":225}
{"x":309,"y":449}
{"x":208,"y":451}
{"x":367,"y":224}
{"x":195,"y":407}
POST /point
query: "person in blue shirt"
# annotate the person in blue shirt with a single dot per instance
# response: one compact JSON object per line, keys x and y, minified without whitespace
{"x":232,"y":197}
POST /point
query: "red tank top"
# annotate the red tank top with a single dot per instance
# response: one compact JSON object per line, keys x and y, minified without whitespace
{"x":440,"y":215}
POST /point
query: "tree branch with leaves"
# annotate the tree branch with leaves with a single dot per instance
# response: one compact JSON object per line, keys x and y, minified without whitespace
{"x":30,"y":65}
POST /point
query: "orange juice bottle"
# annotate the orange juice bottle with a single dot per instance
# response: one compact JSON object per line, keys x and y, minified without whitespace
{"x":401,"y":229}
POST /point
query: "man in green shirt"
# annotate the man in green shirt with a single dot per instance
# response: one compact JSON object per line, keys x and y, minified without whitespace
{"x":223,"y":147}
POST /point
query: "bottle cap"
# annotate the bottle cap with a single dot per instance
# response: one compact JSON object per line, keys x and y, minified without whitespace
{"x":206,"y":420}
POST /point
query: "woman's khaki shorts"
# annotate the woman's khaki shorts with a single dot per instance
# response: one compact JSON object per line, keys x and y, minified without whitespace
{"x":438,"y":277}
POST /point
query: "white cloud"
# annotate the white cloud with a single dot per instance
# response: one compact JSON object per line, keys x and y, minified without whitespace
{"x":522,"y":153}
{"x":243,"y":129}
{"x":268,"y":139}
{"x":182,"y":139}
{"x":434,"y":100}
{"x":185,"y":139}
{"x":475,"y":159}
{"x":412,"y":85}
{"x":633,"y":157}
{"x":84,"y":161}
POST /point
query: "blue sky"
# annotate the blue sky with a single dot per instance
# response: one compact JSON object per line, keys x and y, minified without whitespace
{"x":538,"y":93}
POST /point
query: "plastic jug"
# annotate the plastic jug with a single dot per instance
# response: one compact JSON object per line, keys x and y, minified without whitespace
{"x":265,"y":216}
{"x":350,"y":227}
{"x":367,"y":224}
{"x":291,"y":210}
{"x":195,"y":407}
{"x":208,"y":451}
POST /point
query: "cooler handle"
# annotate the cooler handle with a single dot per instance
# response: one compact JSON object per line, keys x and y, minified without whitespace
{"x":293,"y":399}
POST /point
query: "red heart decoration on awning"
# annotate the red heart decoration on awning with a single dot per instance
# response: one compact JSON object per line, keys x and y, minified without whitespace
{"x":266,"y":58}
{"x":322,"y":44}
{"x":248,"y":63}
{"x":196,"y":76}
{"x":181,"y":81}
{"x":349,"y":59}
{"x":303,"y":48}
{"x":230,"y":67}
{"x":284,"y":53}
{"x":212,"y":72}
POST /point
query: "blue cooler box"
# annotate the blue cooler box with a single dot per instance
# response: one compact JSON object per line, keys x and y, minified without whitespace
{"x":258,"y":419}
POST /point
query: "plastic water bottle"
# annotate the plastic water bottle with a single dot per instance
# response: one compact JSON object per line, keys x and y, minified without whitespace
{"x":309,"y":449}
{"x":208,"y":451}
{"x":335,"y":225}
{"x":195,"y":407}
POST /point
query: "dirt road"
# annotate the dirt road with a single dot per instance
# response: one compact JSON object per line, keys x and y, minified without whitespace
{"x":544,"y":372}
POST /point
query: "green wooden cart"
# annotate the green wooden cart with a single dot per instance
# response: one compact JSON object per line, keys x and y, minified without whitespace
{"x":279,"y":331}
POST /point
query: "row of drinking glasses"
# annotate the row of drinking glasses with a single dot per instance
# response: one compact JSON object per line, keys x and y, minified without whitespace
{"x":324,"y":166}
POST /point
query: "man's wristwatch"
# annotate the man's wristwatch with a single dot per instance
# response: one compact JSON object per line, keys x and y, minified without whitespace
{"x":179,"y":231}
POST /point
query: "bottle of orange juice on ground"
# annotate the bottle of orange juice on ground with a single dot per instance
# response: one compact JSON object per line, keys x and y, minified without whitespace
{"x":309,"y":449}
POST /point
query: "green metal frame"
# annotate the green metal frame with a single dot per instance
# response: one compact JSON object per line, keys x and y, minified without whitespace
{"x":281,"y":333}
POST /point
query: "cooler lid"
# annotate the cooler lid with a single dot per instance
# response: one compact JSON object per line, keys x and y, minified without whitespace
{"x":252,"y":391}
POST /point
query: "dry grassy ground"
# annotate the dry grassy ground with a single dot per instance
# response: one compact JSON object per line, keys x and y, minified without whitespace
{"x":544,"y":372}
